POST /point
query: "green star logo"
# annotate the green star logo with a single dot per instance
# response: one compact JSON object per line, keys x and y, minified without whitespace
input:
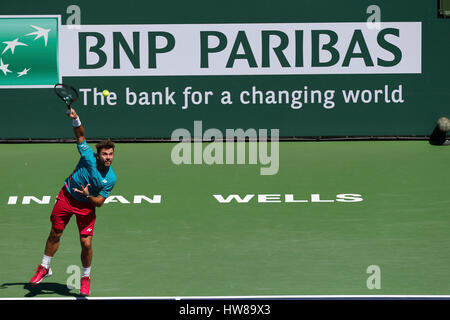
{"x":29,"y":51}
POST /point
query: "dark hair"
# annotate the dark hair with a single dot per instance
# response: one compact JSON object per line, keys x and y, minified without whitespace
{"x":104,"y":144}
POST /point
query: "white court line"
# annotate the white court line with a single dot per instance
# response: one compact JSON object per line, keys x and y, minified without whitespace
{"x":282,"y":297}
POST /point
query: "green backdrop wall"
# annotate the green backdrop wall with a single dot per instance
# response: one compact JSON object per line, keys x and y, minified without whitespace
{"x":418,"y":91}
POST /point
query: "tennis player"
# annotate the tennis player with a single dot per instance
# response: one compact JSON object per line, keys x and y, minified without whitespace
{"x":85,"y":189}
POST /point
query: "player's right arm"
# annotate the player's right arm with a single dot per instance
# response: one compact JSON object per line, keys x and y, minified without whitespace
{"x":84,"y":149}
{"x":78,"y":130}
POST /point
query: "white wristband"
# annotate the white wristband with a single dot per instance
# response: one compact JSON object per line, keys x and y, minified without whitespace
{"x":76,"y":122}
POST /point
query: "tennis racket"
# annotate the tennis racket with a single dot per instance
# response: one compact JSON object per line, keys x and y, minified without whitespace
{"x":67,"y":94}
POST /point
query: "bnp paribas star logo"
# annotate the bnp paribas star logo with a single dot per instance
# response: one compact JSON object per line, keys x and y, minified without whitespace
{"x":29,"y":51}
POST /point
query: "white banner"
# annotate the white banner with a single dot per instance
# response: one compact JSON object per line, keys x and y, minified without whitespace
{"x":240,"y":49}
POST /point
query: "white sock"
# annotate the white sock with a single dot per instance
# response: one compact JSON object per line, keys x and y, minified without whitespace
{"x":86,"y":272}
{"x":46,"y":261}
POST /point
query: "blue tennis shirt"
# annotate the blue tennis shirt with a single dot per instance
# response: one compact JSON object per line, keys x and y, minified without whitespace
{"x":86,"y":172}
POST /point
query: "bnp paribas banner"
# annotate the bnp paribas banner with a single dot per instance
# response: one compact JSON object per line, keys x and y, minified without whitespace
{"x":311,"y":77}
{"x":241,"y":49}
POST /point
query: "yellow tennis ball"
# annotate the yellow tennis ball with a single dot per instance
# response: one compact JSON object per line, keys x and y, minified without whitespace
{"x":105,"y":93}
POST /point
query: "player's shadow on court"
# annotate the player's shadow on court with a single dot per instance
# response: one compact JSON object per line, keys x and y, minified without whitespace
{"x":42,"y":289}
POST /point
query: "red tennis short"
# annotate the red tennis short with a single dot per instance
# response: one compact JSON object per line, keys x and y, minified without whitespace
{"x":66,"y":206}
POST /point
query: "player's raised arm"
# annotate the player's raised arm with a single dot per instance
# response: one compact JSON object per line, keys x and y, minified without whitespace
{"x":77,"y":126}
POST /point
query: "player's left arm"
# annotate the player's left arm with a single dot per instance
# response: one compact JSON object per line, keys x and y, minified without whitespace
{"x":96,"y":201}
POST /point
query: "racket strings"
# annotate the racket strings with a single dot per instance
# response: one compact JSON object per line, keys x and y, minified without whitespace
{"x":66,"y":93}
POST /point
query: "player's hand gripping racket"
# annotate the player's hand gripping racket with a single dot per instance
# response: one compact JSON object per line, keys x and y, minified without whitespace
{"x":67,"y":94}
